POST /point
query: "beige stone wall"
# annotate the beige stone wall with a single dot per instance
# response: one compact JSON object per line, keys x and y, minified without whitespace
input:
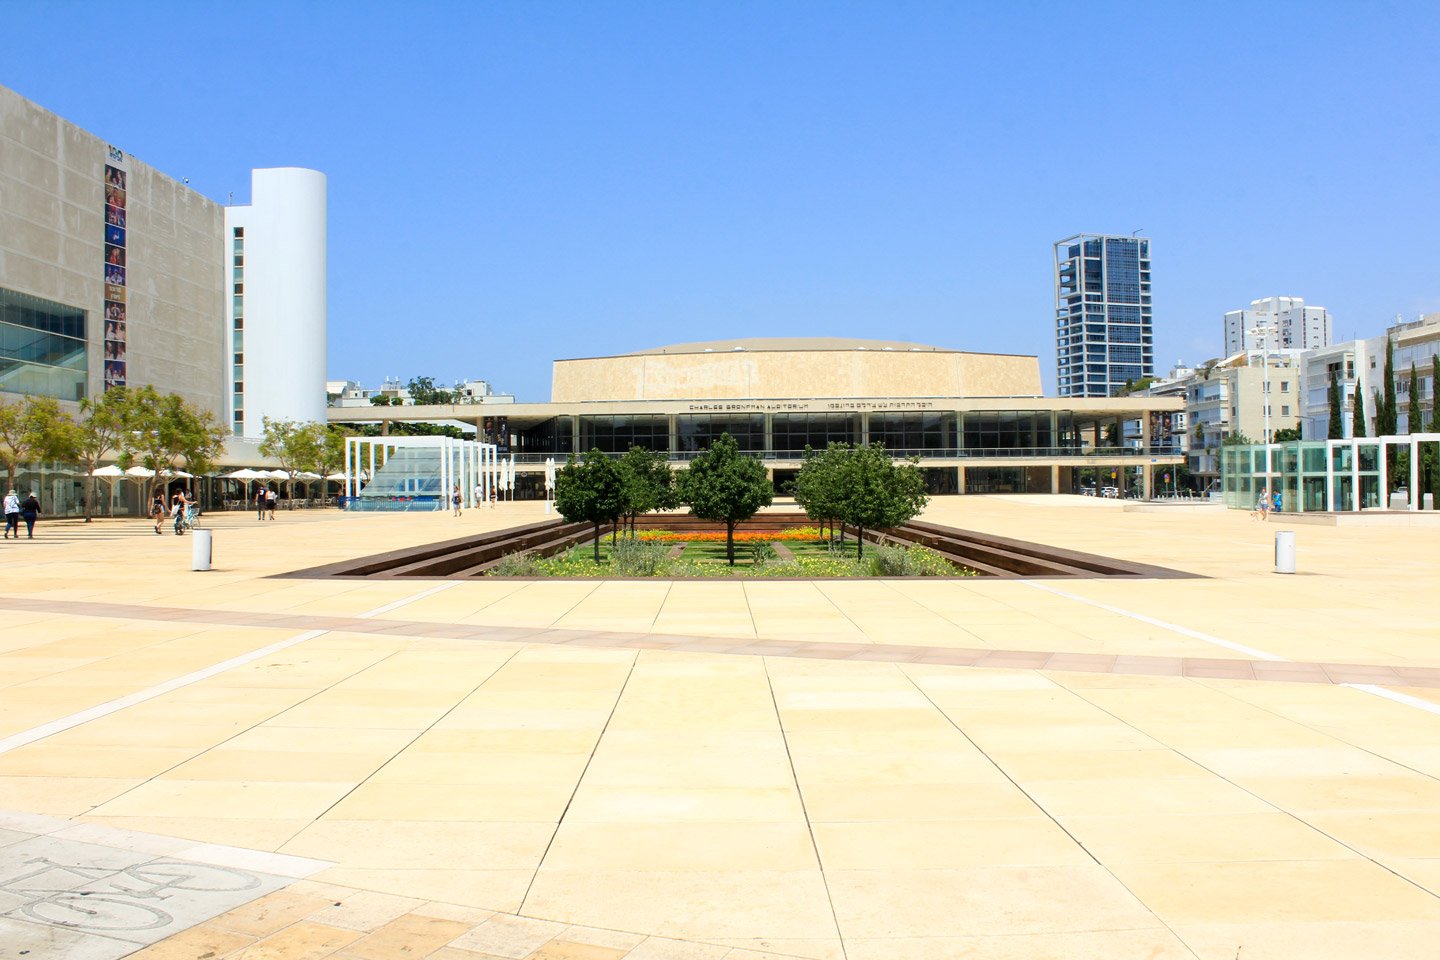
{"x":751,"y":374}
{"x":52,"y":223}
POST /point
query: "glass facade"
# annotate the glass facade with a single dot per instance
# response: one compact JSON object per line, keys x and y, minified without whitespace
{"x":793,"y":432}
{"x":1008,"y":430}
{"x":617,"y":434}
{"x":1103,"y":330}
{"x":902,"y":432}
{"x":1297,"y":471}
{"x":696,"y":432}
{"x":42,"y":347}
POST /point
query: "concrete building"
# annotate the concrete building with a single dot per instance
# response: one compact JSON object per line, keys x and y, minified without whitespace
{"x":977,"y":422}
{"x":1104,"y":336}
{"x":113,"y":274}
{"x":1253,"y":394}
{"x":1277,"y":323}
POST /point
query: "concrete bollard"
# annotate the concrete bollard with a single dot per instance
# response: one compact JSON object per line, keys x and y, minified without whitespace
{"x":200,"y":550}
{"x":1285,"y":551}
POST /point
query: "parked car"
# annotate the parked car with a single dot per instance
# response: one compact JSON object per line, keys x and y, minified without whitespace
{"x":1111,"y":492}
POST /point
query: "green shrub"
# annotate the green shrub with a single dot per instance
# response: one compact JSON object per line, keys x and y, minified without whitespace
{"x":516,"y":565}
{"x":897,"y":561}
{"x":635,"y":558}
{"x":761,"y":552}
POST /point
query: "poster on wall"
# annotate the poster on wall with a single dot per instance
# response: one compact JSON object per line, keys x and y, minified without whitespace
{"x":1162,"y":430}
{"x":496,"y":430}
{"x":114,"y":267}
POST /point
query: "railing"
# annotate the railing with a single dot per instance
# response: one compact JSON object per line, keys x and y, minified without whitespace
{"x":902,"y":453}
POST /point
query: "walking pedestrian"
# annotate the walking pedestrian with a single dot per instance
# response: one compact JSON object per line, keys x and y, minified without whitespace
{"x":12,"y":515}
{"x":455,"y":499}
{"x":260,"y":504}
{"x":479,"y":492}
{"x":270,"y":497}
{"x":29,"y":512}
{"x":157,"y":510}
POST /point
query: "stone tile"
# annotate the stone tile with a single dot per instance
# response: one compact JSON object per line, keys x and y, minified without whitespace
{"x":199,"y":941}
{"x":509,"y":936}
{"x":269,"y":914}
{"x":20,"y":938}
{"x":408,"y":935}
{"x":301,"y":941}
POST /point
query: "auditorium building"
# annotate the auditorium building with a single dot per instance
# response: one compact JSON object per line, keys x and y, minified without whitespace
{"x":977,"y":422}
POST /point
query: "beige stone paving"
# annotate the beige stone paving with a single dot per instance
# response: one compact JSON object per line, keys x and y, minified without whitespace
{"x":643,"y":803}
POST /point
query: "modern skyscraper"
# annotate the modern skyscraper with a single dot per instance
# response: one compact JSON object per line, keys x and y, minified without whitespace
{"x":1103,"y":330}
{"x":1277,"y":323}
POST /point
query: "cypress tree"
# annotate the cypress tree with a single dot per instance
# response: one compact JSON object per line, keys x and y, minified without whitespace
{"x":1337,"y":425}
{"x":1434,"y":448}
{"x":1392,"y":409}
{"x":1357,"y":423}
{"x":1414,"y":418}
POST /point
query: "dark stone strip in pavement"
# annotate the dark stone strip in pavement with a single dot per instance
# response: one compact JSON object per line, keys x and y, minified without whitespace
{"x":1216,"y":668}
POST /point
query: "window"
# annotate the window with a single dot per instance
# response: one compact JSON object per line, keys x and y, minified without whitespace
{"x":1284,"y":386}
{"x":618,"y":434}
{"x":1284,"y":410}
{"x":696,"y":432}
{"x":793,"y":432}
{"x":43,"y":347}
{"x":913,"y":431}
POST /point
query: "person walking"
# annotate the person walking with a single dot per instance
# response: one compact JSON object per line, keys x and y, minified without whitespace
{"x":12,"y":515}
{"x":455,"y":499}
{"x":479,"y":492}
{"x":29,"y":512}
{"x":270,"y":497}
{"x":260,"y":504}
{"x":157,"y":510}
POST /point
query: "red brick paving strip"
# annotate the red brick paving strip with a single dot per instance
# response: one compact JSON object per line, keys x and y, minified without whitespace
{"x":1222,"y":668}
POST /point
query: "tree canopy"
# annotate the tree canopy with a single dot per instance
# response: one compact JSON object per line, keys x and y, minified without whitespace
{"x":877,"y":492}
{"x":590,"y":491}
{"x":1337,"y":404}
{"x":646,"y":481}
{"x":726,"y":486}
{"x":33,"y":428}
{"x":166,"y":433}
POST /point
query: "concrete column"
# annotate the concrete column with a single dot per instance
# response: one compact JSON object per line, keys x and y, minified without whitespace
{"x":864,"y":428}
{"x":1384,"y":478}
{"x":1055,"y":478}
{"x":960,"y":479}
{"x":1354,"y":477}
{"x":1147,"y":482}
{"x":674,"y":434}
{"x":1414,"y":474}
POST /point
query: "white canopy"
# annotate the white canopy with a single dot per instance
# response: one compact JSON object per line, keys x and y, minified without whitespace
{"x":276,"y":474}
{"x":307,"y":475}
{"x":247,"y":474}
{"x":147,"y":472}
{"x":110,"y":471}
{"x":335,"y":476}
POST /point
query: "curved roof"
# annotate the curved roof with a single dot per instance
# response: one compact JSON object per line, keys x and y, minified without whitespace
{"x":780,"y":344}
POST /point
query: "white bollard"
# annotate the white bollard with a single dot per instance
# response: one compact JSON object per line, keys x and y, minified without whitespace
{"x":1285,"y":551}
{"x":200,"y":550}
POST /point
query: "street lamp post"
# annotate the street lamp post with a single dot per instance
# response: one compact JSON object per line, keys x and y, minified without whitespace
{"x":1264,"y":332}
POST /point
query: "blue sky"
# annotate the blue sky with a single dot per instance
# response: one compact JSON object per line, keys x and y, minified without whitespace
{"x":514,"y":183}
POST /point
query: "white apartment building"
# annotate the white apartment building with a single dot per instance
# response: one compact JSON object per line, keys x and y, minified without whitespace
{"x":1255,"y":393}
{"x":1277,"y":323}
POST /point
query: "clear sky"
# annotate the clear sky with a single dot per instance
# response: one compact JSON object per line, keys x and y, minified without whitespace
{"x":512,"y":183}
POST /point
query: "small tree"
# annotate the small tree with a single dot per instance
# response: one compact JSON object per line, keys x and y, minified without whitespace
{"x":1337,"y":423}
{"x":647,"y":481}
{"x":166,"y":433}
{"x":1286,"y":435}
{"x":1357,"y":413}
{"x":590,"y":491}
{"x":295,"y":445}
{"x":1434,"y":449}
{"x":878,"y":492}
{"x":1391,"y":406}
{"x":32,"y":429}
{"x":97,"y":437}
{"x":818,"y":485}
{"x":726,"y":486}
{"x":424,"y":392}
{"x":1414,"y":416}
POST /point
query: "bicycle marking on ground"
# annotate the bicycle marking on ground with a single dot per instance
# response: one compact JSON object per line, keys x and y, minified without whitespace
{"x":116,"y":895}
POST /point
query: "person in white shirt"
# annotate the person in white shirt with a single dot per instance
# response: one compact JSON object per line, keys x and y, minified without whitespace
{"x":12,"y":515}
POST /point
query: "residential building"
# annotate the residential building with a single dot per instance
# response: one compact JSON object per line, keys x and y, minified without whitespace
{"x":1104,"y":338}
{"x":1277,"y":323}
{"x":1252,"y":394}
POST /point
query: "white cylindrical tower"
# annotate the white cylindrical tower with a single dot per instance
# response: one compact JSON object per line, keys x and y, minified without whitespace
{"x":276,"y":264}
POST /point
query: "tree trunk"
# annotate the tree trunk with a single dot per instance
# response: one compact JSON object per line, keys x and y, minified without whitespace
{"x":597,"y":541}
{"x":730,"y":541}
{"x":90,"y":497}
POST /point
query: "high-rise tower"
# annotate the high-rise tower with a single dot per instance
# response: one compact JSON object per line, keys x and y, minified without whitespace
{"x":1103,"y":331}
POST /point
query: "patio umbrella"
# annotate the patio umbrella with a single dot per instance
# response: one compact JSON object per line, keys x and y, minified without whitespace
{"x":142,"y":472}
{"x":110,"y":471}
{"x":246,"y":474}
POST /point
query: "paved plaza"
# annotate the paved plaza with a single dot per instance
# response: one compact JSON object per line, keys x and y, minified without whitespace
{"x":837,"y":770}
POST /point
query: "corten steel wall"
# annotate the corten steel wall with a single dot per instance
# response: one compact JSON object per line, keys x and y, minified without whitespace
{"x":750,"y":374}
{"x":52,"y":245}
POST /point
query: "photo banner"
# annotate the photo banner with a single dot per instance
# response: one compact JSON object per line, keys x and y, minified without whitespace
{"x":114,"y":267}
